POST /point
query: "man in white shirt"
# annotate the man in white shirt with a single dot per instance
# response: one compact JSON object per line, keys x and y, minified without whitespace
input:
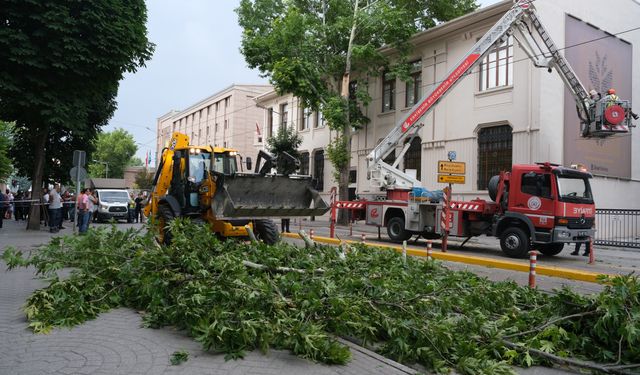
{"x":55,"y":209}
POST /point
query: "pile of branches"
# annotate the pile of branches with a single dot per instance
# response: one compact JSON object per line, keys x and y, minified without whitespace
{"x":234,"y":297}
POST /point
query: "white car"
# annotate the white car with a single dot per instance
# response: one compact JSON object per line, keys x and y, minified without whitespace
{"x":112,"y":204}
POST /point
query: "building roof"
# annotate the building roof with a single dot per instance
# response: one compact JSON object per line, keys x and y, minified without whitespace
{"x":106,"y":183}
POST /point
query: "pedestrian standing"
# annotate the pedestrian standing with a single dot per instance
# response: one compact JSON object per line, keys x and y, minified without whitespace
{"x":587,"y":249}
{"x":138,"y":212}
{"x":93,"y":205}
{"x":9,"y":204}
{"x":131,"y":208}
{"x":55,"y":209}
{"x":284,"y":224}
{"x":3,"y":208}
{"x":44,"y":207}
{"x":82,"y":205}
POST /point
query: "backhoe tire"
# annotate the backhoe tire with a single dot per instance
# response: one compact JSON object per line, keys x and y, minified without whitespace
{"x":266,"y":231}
{"x":396,"y":230}
{"x":165,"y":216}
{"x":515,"y":242}
{"x":551,"y":249}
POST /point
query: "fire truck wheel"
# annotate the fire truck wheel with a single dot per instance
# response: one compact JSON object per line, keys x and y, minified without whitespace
{"x":514,"y":242}
{"x":551,"y":249}
{"x":266,"y":231}
{"x":396,"y":231}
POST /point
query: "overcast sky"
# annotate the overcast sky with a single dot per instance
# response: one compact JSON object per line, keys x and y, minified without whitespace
{"x":197,"y":54}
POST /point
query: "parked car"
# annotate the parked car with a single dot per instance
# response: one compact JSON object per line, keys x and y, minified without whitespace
{"x":112,"y":204}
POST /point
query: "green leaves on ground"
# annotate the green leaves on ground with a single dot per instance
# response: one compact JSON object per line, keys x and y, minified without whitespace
{"x":420,"y":313}
{"x":179,"y":357}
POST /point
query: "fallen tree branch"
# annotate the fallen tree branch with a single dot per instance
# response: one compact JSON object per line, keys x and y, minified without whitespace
{"x":308,"y":242}
{"x":566,"y":361}
{"x":259,"y":266}
{"x":547,"y":324}
{"x":252,"y":236}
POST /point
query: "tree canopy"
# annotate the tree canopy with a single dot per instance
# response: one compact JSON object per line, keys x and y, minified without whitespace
{"x":60,"y":66}
{"x":115,"y":148}
{"x":5,"y":142}
{"x":310,"y":48}
{"x":286,"y":140}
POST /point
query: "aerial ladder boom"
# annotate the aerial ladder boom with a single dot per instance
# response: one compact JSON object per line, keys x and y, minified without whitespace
{"x":544,"y":54}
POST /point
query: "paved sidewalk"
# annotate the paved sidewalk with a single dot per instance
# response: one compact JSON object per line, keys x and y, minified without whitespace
{"x":115,"y":343}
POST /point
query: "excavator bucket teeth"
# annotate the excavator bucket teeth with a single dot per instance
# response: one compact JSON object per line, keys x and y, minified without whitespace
{"x":263,"y":196}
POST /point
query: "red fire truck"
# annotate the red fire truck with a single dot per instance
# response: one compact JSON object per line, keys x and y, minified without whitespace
{"x":542,"y":206}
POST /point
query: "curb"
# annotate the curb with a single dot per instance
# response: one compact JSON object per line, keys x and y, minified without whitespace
{"x":559,"y":272}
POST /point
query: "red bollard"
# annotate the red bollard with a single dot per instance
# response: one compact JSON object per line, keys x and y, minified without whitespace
{"x":311,"y":233}
{"x":533,"y":260}
{"x":429,"y":246}
{"x":592,"y":256}
{"x":363,"y":237}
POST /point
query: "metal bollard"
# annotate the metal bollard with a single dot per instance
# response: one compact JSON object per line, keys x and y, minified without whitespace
{"x":311,"y":233}
{"x":363,"y":237}
{"x":350,"y":229}
{"x":404,"y":253}
{"x":533,"y":260}
{"x":429,"y":248}
{"x":592,"y":256}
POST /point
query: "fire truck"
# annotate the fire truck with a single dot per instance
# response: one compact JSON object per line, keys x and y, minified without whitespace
{"x":539,"y":206}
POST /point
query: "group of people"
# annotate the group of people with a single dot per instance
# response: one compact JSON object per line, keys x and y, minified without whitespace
{"x":57,"y":207}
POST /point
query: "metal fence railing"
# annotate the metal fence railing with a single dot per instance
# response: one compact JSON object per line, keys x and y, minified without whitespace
{"x":618,"y":227}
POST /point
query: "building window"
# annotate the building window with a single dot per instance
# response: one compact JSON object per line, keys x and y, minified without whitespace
{"x":226,"y":124}
{"x":414,"y":85}
{"x":306,"y":117}
{"x":216,"y":129}
{"x":388,"y":92}
{"x":494,"y":153}
{"x":319,"y":123}
{"x":413,"y":157}
{"x":496,"y":70}
{"x":284,"y":115}
{"x":304,"y":163}
{"x":318,"y":169}
{"x":353,"y":176}
{"x":227,"y":102}
{"x":270,"y":122}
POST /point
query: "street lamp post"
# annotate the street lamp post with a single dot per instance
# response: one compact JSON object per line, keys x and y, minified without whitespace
{"x":106,"y":171}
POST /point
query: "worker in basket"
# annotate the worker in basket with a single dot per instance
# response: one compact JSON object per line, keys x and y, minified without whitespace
{"x":611,"y":98}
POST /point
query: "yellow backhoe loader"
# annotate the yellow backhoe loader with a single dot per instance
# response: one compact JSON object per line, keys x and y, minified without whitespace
{"x":207,"y":184}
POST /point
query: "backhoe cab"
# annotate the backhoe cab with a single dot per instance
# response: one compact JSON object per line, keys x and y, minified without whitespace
{"x":208,"y":184}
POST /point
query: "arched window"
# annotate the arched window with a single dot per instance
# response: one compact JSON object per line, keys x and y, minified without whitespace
{"x":494,"y":153}
{"x":413,"y":157}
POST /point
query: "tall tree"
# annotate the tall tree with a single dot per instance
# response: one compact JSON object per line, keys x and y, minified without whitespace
{"x":113,"y":150}
{"x":311,"y":48}
{"x":144,"y":180}
{"x":285,"y":141}
{"x":5,"y":142}
{"x":60,"y":65}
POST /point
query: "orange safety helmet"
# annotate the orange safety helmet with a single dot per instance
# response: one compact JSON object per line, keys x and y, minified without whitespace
{"x":611,"y":92}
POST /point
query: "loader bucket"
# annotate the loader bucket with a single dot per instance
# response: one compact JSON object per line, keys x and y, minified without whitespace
{"x":254,"y":195}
